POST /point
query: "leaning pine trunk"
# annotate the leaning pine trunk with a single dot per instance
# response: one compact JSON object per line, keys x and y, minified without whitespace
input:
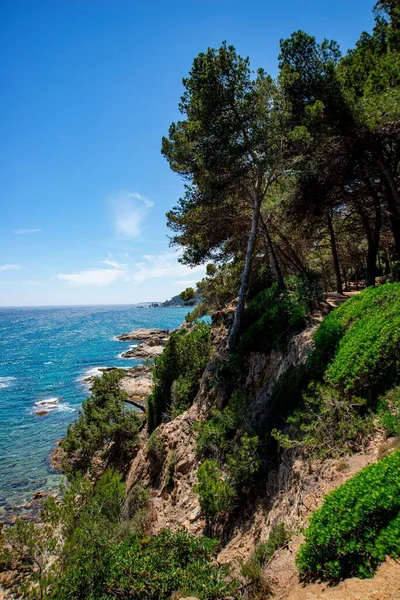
{"x":244,"y":285}
{"x":272,"y":255}
{"x":339,"y":285}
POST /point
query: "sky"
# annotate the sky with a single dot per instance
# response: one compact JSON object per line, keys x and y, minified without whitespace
{"x":88,"y":89}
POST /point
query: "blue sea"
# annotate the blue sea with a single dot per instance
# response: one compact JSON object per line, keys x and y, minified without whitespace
{"x":44,"y":354}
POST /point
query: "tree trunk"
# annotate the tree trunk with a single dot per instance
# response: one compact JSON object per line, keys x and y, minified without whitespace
{"x":393,"y":200}
{"x":244,"y":285}
{"x":272,"y":255}
{"x":373,"y":237}
{"x":335,"y":256}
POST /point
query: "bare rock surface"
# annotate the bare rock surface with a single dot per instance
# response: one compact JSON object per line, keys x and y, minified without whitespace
{"x":143,"y":351}
{"x":137,"y":382}
{"x":139,"y":335}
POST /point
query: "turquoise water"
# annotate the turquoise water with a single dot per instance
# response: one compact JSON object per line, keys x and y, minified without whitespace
{"x":44,"y":353}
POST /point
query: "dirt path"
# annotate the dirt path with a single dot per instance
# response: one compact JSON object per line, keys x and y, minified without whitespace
{"x":384,"y":586}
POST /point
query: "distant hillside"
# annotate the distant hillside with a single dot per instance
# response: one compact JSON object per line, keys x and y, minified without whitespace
{"x":176,"y":301}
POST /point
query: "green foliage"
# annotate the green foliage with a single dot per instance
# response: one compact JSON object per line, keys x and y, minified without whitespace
{"x":106,"y":428}
{"x":327,"y":423}
{"x":367,"y":358}
{"x":150,"y":568}
{"x":357,"y":526}
{"x":215,"y":494}
{"x":177,"y":373}
{"x":308,"y":289}
{"x":356,"y":358}
{"x":269,"y":321}
{"x":215,"y":435}
{"x":170,"y":465}
{"x":389,"y":411}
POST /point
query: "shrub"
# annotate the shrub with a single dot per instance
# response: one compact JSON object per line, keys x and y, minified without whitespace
{"x":148,"y":568}
{"x":244,"y":461}
{"x":308,"y":289}
{"x":367,"y":357}
{"x":328,"y":423}
{"x":356,"y":358}
{"x":356,"y":527}
{"x":106,"y":427}
{"x":389,"y":411}
{"x":215,"y":434}
{"x":215,"y":494}
{"x":269,"y":321}
{"x":177,"y":373}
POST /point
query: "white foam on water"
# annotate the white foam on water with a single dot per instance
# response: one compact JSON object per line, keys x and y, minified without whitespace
{"x":6,"y":382}
{"x":94,"y":372}
{"x":50,"y":405}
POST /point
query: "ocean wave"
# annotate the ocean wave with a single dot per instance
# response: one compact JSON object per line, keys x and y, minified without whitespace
{"x":49,"y":405}
{"x":5,"y":382}
{"x":88,"y":375}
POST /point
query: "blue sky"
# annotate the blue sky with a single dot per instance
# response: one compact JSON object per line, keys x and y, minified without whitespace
{"x":88,"y":88}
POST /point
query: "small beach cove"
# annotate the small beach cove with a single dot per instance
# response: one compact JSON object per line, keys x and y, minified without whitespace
{"x":46,"y":357}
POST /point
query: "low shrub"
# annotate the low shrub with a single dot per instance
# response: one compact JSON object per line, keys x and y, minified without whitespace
{"x":357,"y":526}
{"x":177,"y":373}
{"x":327,"y":423}
{"x":106,"y":428}
{"x":270,"y":319}
{"x":389,"y":411}
{"x":146,"y":568}
{"x":215,"y":493}
{"x":308,"y":289}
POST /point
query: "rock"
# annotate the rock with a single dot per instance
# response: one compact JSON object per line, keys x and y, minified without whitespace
{"x":137,"y":382}
{"x":39,"y":495}
{"x":144,"y":335}
{"x":57,"y":457}
{"x":143,"y":351}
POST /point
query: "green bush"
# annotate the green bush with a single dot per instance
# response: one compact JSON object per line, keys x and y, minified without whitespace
{"x":106,"y":427}
{"x":356,"y":527}
{"x":270,"y":319}
{"x":328,"y":423}
{"x":177,"y":373}
{"x":389,"y":411}
{"x":356,"y":358}
{"x":146,"y":568}
{"x":215,"y":494}
{"x":367,"y":357}
{"x":308,"y":289}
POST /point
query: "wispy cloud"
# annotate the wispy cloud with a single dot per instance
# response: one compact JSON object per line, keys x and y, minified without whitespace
{"x":10,"y":267}
{"x":162,"y":265}
{"x":93,"y":277}
{"x":23,"y":231}
{"x":152,"y":266}
{"x":130,"y":210}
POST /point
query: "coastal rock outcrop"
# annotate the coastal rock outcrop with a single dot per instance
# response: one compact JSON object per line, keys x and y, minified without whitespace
{"x":144,"y":351}
{"x":149,"y":335}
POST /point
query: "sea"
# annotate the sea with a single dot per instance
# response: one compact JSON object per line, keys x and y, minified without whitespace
{"x":45,"y":353}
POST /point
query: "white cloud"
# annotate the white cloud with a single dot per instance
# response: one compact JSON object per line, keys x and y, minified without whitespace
{"x":23,"y":231}
{"x":162,"y":265}
{"x":155,"y":266}
{"x":113,"y":263}
{"x":10,"y":267}
{"x":95,"y":277}
{"x":130,"y":210}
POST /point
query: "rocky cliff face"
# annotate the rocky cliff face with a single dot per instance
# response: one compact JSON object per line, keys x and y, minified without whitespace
{"x":167,"y":466}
